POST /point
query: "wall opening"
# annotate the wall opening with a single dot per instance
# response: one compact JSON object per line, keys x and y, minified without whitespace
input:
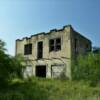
{"x":55,"y":44}
{"x":40,"y":50}
{"x":28,"y":49}
{"x":76,"y":45}
{"x":41,"y":71}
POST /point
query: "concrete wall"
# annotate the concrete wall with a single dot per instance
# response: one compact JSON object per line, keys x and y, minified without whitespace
{"x":55,"y":61}
{"x":83,"y":45}
{"x":60,"y":59}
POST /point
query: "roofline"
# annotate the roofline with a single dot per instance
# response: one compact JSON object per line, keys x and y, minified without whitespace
{"x":54,"y":30}
{"x":43,"y":33}
{"x":81,"y":35}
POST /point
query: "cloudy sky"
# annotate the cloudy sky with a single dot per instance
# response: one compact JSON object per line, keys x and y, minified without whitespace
{"x":20,"y":18}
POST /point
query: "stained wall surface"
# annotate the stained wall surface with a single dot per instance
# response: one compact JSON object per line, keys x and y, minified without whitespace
{"x":58,"y":63}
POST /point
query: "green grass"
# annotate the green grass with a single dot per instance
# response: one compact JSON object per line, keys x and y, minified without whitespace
{"x":49,"y":89}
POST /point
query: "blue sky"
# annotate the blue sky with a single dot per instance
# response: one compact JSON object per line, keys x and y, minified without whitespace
{"x":20,"y":18}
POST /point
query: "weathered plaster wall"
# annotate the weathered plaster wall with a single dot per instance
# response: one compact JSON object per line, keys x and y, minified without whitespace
{"x":60,"y":58}
{"x":49,"y":58}
{"x":83,"y":44}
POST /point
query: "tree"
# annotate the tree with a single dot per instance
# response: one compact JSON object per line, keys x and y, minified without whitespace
{"x":16,"y":66}
{"x":2,"y":46}
{"x":10,"y":67}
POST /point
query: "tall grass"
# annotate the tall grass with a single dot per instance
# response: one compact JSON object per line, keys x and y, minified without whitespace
{"x":49,"y":89}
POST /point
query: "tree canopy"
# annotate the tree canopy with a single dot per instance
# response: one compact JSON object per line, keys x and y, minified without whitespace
{"x":10,"y":66}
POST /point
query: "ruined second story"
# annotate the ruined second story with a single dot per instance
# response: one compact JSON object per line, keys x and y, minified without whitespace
{"x":62,"y":43}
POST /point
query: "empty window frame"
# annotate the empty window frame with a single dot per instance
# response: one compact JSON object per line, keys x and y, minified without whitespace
{"x":88,"y":48}
{"x":28,"y":49}
{"x":58,"y":44}
{"x":51,"y":45}
{"x":55,"y":44}
{"x":75,"y":44}
{"x":40,"y":50}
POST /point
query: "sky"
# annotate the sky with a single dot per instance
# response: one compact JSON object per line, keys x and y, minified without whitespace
{"x":21,"y":18}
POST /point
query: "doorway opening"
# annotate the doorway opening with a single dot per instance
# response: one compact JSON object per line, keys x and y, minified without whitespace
{"x":41,"y":71}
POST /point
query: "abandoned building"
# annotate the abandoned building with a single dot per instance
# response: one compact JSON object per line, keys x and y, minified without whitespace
{"x":50,"y":54}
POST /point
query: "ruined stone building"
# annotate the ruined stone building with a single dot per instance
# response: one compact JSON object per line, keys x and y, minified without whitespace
{"x":50,"y":54}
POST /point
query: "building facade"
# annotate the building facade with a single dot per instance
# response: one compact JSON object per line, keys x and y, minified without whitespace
{"x":50,"y":54}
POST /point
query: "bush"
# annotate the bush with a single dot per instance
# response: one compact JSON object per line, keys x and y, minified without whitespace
{"x":87,"y":67}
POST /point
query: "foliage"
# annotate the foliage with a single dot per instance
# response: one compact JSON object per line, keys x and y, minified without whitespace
{"x":16,"y":66}
{"x":87,"y":67}
{"x":2,"y":46}
{"x":10,"y":67}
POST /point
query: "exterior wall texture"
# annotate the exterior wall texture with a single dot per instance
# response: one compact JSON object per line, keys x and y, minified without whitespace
{"x":57,"y":63}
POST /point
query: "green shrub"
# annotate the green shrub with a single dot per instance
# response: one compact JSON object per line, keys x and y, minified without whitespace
{"x":87,"y":67}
